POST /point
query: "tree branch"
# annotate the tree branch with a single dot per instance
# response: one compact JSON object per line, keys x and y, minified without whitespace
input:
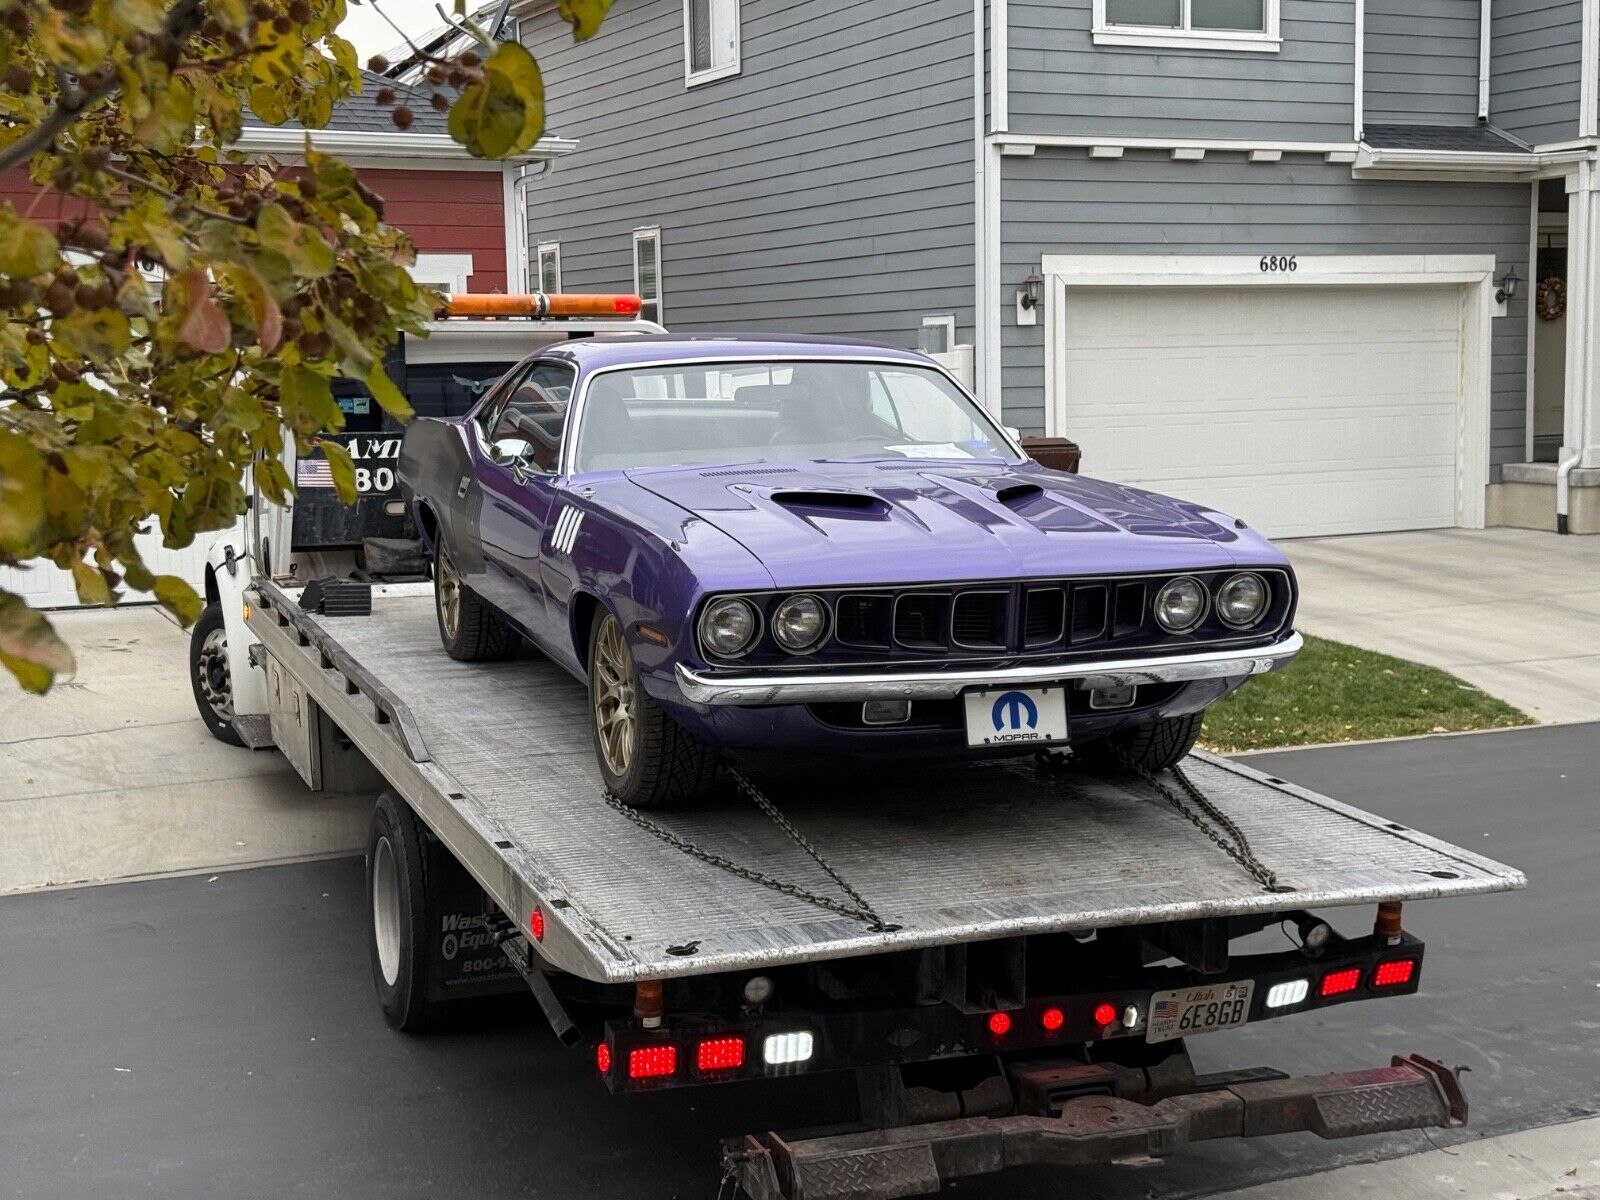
{"x":175,"y":197}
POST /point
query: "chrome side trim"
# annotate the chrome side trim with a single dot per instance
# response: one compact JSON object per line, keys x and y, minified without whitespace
{"x":746,"y":690}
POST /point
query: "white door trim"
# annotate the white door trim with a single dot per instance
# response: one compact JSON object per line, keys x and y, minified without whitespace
{"x":1473,"y":273}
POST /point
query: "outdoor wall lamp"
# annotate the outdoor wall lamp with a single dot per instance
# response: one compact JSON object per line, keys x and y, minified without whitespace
{"x":1032,"y":291}
{"x":1508,"y":286}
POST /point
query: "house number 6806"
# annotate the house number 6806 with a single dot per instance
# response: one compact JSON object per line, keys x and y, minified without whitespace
{"x":1278,"y":262}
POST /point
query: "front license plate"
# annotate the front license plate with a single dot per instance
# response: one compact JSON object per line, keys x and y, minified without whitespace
{"x":1185,"y":1012}
{"x":1014,"y":716}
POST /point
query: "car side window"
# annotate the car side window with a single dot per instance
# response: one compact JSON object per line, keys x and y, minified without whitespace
{"x":528,"y":430}
{"x":488,"y":413}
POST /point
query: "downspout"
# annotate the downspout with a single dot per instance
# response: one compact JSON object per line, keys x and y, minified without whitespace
{"x":1484,"y":25}
{"x":1358,"y":100}
{"x":980,"y":272}
{"x":1564,"y":490}
{"x":526,"y":176}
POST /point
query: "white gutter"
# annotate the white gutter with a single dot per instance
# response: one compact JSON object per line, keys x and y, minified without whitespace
{"x":1483,"y":60}
{"x":1511,"y":164}
{"x":433,"y":148}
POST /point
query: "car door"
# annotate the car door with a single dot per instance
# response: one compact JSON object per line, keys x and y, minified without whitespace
{"x":524,"y":456}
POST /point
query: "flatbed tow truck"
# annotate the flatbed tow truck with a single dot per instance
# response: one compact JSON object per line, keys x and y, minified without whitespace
{"x":1009,"y":956}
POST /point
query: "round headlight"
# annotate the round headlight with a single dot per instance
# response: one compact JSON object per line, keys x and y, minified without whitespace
{"x":1180,"y":604}
{"x":799,"y":623}
{"x":1242,"y":600}
{"x":728,"y":626}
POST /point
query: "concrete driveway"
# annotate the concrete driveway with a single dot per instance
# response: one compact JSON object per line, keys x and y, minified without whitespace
{"x":1512,"y":611}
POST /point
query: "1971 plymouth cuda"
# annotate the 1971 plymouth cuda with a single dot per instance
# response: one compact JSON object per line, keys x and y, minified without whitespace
{"x":824,"y":546}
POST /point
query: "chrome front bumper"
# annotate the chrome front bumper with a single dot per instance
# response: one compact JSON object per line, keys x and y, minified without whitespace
{"x":819,"y":687}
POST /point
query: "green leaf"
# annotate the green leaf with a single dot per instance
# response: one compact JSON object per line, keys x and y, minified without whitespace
{"x":176,"y":596}
{"x":29,"y":647}
{"x":307,"y":250}
{"x":341,"y":467}
{"x":268,"y":103}
{"x":252,"y":289}
{"x":389,"y":397}
{"x":307,"y":401}
{"x":503,"y":115}
{"x":26,"y":247}
{"x":355,"y":356}
{"x":272,"y":479}
{"x":584,"y":16}
{"x":91,"y":584}
{"x":98,"y":334}
{"x":21,"y":494}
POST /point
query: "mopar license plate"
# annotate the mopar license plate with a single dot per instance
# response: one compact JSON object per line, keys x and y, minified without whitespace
{"x":1185,"y":1012}
{"x":1007,"y":716}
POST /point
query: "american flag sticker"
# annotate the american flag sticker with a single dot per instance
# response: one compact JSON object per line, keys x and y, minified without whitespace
{"x":1166,"y":1008}
{"x":313,"y":473}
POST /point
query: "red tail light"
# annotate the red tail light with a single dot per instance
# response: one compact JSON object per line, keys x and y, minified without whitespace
{"x":602,"y":1058}
{"x":720,"y":1054}
{"x":651,"y":1062}
{"x":1337,"y":983}
{"x":999,"y":1024}
{"x":1105,"y":1014}
{"x":1393,"y":974}
{"x":536,"y":924}
{"x":1052,"y":1019}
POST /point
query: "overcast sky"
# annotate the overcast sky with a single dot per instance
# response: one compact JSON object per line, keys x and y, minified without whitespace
{"x":373,"y":35}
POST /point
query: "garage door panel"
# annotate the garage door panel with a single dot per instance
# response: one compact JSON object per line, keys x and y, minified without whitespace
{"x":1303,"y":410}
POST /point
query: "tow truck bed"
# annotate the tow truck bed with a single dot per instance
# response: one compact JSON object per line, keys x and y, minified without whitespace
{"x":497,"y":760}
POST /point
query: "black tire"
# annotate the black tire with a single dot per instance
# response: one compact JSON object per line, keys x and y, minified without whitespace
{"x":209,"y":675}
{"x":397,"y":906}
{"x":480,"y":634}
{"x":1153,"y":747}
{"x":666,"y":765}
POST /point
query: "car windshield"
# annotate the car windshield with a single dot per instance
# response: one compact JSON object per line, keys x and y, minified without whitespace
{"x":749,"y":410}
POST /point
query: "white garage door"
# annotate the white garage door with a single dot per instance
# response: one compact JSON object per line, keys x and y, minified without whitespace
{"x":45,"y":586}
{"x":1304,"y":410}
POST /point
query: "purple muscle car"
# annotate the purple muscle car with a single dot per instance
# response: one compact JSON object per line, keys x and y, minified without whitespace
{"x":824,"y":546}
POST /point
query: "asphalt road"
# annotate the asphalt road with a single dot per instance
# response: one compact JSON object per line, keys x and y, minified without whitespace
{"x":218,"y":1036}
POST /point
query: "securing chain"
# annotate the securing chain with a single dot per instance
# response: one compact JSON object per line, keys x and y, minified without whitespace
{"x":1231,"y":840}
{"x":860,"y":910}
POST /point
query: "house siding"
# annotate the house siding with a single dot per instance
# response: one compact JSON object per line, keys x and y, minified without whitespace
{"x":1422,"y":62}
{"x":1061,"y":83}
{"x":1063,"y":202}
{"x":827,"y":188}
{"x":1535,"y":68}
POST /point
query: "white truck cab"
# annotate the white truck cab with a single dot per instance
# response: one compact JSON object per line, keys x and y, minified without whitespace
{"x":372,"y":542}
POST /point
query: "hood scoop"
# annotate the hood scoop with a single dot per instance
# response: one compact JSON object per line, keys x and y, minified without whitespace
{"x":1018,"y":493}
{"x":821,"y":501}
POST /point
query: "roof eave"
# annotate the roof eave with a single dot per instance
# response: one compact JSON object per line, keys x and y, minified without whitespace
{"x":1513,"y":165}
{"x":433,"y":148}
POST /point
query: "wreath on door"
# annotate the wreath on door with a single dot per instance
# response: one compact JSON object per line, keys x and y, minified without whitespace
{"x":1552,"y":298}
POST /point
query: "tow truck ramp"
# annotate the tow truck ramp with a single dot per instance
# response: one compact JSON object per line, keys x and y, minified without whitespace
{"x":497,"y":760}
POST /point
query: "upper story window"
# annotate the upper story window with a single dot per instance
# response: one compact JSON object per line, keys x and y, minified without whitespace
{"x":647,"y":271}
{"x":710,"y":40}
{"x":549,"y":267}
{"x":1250,"y":25}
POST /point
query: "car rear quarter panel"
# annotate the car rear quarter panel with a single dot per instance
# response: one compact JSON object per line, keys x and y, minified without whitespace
{"x":433,"y":458}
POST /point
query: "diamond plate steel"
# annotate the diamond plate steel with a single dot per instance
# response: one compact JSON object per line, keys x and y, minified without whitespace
{"x":1380,"y":1108}
{"x":950,"y":853}
{"x":879,"y":1173}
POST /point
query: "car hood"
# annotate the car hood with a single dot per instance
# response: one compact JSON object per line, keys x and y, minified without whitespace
{"x":904,"y":521}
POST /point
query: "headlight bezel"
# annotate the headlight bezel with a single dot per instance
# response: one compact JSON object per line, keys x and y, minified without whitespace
{"x":824,"y":629}
{"x":1200,"y":612}
{"x":708,"y":647}
{"x":1260,"y":613}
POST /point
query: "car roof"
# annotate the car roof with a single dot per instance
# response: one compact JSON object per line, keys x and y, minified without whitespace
{"x":598,"y":352}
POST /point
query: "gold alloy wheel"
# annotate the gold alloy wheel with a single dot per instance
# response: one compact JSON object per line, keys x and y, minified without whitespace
{"x":448,"y":585}
{"x":615,"y":705}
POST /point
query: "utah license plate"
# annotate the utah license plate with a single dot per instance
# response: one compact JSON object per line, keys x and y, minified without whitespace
{"x":1185,"y":1012}
{"x":1016,"y":716}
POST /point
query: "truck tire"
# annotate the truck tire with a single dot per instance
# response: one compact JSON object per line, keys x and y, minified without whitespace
{"x":646,"y":758}
{"x":1153,"y":747}
{"x":470,"y":630}
{"x":397,"y":898}
{"x":209,"y":675}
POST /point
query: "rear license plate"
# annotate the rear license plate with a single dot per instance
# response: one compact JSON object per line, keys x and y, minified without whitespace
{"x":1185,"y":1012}
{"x":1008,"y":716}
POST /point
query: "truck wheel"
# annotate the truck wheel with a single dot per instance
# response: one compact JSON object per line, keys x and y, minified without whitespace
{"x":646,"y":758}
{"x":209,"y":674}
{"x":470,"y":630}
{"x":1153,"y":747}
{"x":397,"y":893}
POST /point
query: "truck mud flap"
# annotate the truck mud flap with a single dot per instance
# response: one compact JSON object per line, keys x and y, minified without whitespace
{"x":1412,"y":1093}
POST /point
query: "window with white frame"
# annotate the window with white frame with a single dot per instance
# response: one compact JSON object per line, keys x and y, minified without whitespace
{"x":937,"y":334}
{"x":710,"y":40}
{"x":1192,"y":24}
{"x":647,"y":272}
{"x":447,"y":272}
{"x":549,"y":267}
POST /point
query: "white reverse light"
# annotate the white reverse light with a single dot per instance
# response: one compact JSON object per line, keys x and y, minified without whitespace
{"x":782,"y":1048}
{"x":1282,"y":995}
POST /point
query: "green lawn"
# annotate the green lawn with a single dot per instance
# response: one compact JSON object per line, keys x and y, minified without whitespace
{"x":1337,"y":693}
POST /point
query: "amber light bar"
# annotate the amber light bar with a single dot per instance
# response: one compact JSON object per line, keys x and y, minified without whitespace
{"x":538,"y":304}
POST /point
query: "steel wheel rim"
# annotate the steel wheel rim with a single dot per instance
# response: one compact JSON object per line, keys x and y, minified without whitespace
{"x":386,"y":911}
{"x":211,"y":672}
{"x":615,"y":701}
{"x":449,"y":588}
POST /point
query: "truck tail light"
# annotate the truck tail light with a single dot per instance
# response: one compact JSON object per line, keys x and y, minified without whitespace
{"x":1105,"y":1014}
{"x":602,"y":1058}
{"x":1337,"y":983}
{"x":999,"y":1024}
{"x":719,"y":1054}
{"x":652,"y":1062}
{"x":1394,"y":974}
{"x":781,"y":1048}
{"x":1282,"y":995}
{"x":1052,"y":1019}
{"x":536,"y":924}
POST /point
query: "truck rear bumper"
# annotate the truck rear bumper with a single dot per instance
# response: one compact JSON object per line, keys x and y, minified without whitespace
{"x":1412,"y":1093}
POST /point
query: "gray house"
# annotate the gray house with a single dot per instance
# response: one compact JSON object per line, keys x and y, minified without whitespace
{"x":1330,"y":265}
